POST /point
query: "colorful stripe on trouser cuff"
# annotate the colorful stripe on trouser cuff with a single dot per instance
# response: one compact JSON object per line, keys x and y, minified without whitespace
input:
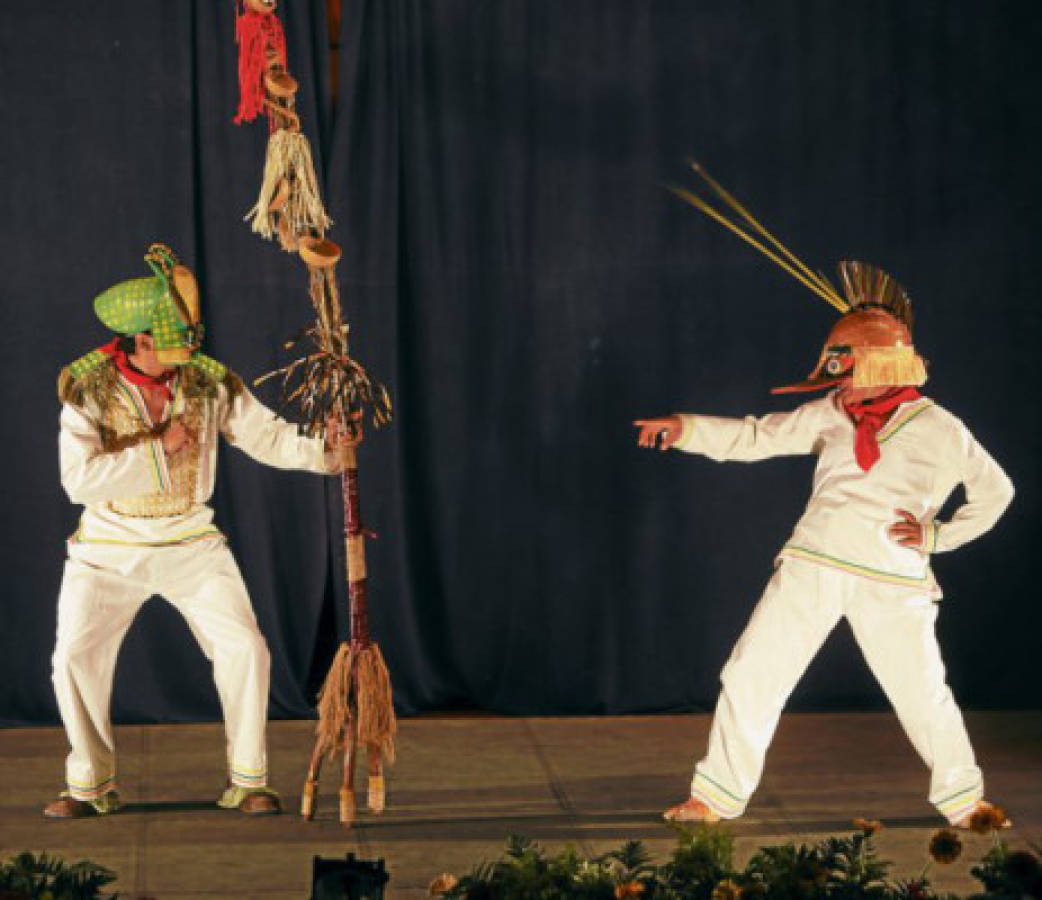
{"x":245,"y":777}
{"x":82,"y":792}
{"x":718,"y":799}
{"x":956,"y":806}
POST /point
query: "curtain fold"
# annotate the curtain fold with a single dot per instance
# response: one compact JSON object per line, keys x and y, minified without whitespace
{"x":516,"y":273}
{"x":121,"y":134}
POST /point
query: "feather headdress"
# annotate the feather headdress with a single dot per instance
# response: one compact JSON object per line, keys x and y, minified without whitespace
{"x":867,"y":286}
{"x":880,"y":351}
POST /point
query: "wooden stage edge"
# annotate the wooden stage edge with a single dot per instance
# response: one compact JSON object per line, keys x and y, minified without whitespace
{"x":462,"y":784}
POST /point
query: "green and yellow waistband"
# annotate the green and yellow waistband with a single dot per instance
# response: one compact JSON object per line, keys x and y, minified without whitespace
{"x":182,"y":538}
{"x":791,"y":551}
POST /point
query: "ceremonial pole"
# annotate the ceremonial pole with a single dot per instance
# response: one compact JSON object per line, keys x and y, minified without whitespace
{"x":331,"y":393}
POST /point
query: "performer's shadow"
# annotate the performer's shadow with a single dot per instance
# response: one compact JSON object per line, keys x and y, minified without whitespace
{"x":839,"y":826}
{"x":168,"y":806}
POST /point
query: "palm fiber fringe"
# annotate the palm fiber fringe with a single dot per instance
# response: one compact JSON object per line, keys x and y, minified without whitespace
{"x":357,"y":689}
{"x":289,"y":157}
{"x":881,"y":366}
{"x":97,"y":386}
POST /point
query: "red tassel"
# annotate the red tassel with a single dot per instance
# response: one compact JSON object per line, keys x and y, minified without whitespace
{"x":256,"y":34}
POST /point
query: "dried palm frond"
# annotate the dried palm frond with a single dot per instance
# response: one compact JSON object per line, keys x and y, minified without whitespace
{"x":328,"y":382}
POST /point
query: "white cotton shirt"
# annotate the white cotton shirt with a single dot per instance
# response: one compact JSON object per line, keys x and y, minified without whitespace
{"x":93,"y":477}
{"x":925,"y":452}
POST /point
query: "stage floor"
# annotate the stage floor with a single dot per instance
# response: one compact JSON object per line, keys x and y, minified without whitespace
{"x":462,"y":784}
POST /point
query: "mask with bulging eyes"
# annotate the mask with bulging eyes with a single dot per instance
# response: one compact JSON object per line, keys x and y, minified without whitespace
{"x":838,"y":361}
{"x":869,"y":344}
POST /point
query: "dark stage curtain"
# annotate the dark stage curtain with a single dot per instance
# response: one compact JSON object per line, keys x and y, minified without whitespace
{"x":119,"y":133}
{"x":515,"y":271}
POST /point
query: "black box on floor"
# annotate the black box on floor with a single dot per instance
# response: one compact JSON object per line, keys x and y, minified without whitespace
{"x":348,"y":879}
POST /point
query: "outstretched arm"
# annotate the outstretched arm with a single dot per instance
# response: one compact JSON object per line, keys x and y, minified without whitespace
{"x":744,"y":440}
{"x":266,"y":437}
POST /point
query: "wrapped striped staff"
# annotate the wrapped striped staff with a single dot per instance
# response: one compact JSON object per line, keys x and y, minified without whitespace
{"x":325,"y":388}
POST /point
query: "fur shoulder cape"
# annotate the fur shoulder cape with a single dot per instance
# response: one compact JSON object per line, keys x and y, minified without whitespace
{"x":92,"y":377}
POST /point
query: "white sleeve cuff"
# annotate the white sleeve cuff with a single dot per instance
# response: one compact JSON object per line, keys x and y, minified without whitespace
{"x":687,"y":430}
{"x":930,"y":533}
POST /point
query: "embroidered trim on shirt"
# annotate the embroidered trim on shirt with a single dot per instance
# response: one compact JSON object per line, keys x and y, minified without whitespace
{"x":930,"y":537}
{"x":903,"y":418}
{"x":159,"y":471}
{"x":833,"y":562}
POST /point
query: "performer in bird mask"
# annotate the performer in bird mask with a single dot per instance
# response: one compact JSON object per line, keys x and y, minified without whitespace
{"x":888,"y":458}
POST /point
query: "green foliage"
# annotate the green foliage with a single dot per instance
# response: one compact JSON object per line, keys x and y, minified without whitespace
{"x":701,"y":867}
{"x":1009,"y":874}
{"x":50,"y":878}
{"x":788,"y":871}
{"x":702,"y":859}
{"x":524,"y":870}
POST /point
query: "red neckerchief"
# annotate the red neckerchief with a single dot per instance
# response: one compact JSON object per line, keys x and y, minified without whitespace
{"x":871,"y":415}
{"x":136,"y":376}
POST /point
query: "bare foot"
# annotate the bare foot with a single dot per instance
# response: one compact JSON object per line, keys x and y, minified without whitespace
{"x":691,"y":810}
{"x":983,"y":818}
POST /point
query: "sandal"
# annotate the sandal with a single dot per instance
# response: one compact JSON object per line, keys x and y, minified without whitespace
{"x":68,"y":807}
{"x":251,"y":801}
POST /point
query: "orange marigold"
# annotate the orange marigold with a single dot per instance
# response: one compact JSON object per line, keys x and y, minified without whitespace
{"x":868,"y":826}
{"x":442,"y":884}
{"x":987,"y":817}
{"x":945,"y":846}
{"x":629,"y":889}
{"x":726,"y":890}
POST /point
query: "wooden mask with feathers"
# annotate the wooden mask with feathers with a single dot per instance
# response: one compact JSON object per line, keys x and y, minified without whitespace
{"x":871,"y":342}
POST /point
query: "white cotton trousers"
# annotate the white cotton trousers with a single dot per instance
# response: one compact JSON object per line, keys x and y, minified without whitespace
{"x":102,"y":589}
{"x":895,"y":630}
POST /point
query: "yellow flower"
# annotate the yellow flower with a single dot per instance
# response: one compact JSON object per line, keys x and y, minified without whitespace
{"x":442,"y":884}
{"x":945,"y":846}
{"x":867,"y":826}
{"x":726,"y":890}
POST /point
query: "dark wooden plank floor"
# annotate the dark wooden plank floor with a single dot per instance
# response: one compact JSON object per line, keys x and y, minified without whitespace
{"x":463,"y":784}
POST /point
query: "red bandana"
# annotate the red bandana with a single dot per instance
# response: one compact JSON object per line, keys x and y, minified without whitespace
{"x":871,"y":415}
{"x":136,"y":376}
